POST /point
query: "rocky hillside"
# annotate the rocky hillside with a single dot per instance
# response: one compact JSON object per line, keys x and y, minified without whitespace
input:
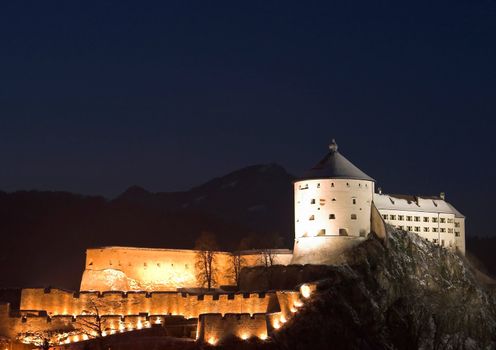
{"x":405,"y":293}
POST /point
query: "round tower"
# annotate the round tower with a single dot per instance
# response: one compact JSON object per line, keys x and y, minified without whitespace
{"x":333,"y":203}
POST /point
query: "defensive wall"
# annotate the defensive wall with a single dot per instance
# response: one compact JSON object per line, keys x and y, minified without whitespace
{"x":239,"y":314}
{"x":153,"y":269}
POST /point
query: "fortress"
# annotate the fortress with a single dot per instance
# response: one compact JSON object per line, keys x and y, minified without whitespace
{"x":336,"y":206}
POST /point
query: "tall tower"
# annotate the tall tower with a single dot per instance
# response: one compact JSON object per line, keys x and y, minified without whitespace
{"x":333,"y":203}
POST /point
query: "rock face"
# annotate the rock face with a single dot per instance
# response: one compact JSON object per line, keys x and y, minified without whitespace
{"x":405,"y":293}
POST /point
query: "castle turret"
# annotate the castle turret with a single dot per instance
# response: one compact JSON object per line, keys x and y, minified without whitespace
{"x":332,"y":209}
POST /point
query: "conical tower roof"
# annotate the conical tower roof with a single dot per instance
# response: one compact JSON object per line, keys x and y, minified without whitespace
{"x":335,"y":166}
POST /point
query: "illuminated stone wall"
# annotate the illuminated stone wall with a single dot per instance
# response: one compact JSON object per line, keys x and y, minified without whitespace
{"x":331,"y":215}
{"x":60,"y":302}
{"x":214,"y":328}
{"x":147,"y":269}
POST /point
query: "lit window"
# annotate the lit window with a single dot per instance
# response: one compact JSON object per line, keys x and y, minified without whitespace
{"x":353,"y":217}
{"x":311,"y":217}
{"x":332,"y":216}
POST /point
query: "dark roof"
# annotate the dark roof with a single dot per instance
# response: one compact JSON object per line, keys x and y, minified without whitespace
{"x":335,"y":166}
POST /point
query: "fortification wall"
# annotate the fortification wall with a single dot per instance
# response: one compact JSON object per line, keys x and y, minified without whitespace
{"x":214,"y":328}
{"x":148,"y":269}
{"x":60,"y":302}
{"x":124,"y":269}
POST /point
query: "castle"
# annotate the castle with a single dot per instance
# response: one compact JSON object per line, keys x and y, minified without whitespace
{"x":335,"y":205}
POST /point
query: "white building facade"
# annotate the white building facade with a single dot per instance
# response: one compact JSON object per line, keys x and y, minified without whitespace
{"x":430,"y":217}
{"x":333,"y":203}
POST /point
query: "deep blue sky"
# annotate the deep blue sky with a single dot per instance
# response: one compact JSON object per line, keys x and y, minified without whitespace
{"x":95,"y":97}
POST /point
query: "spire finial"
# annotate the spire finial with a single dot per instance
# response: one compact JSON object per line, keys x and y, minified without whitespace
{"x":333,"y":146}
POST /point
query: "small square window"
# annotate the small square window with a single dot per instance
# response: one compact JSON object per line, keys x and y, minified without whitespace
{"x":312,"y":201}
{"x":353,"y":217}
{"x":332,"y":216}
{"x":312,"y":217}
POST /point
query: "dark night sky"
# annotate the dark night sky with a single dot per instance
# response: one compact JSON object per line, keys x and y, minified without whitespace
{"x":97,"y":97}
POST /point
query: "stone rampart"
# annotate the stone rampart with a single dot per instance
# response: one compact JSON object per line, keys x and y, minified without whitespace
{"x":214,"y":328}
{"x":150,"y":269}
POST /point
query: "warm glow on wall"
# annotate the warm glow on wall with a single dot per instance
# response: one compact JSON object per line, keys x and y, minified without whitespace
{"x":244,"y":336}
{"x":276,"y":324}
{"x":212,"y":341}
{"x":263,"y":336}
{"x":283,"y":319}
{"x":298,"y":303}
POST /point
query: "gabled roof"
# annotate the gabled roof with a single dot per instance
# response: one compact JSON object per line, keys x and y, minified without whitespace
{"x":335,"y":166}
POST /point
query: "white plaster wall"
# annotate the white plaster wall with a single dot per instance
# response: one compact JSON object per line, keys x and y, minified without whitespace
{"x":460,"y":234}
{"x":425,"y":229}
{"x":332,"y":196}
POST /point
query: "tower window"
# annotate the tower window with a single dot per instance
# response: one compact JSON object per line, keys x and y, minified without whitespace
{"x":312,"y":217}
{"x":347,"y":184}
{"x":334,"y":199}
{"x":353,"y":217}
{"x":332,"y":184}
{"x":312,"y":201}
{"x":354,"y":200}
{"x":343,"y":232}
{"x":332,"y":216}
{"x":318,"y":185}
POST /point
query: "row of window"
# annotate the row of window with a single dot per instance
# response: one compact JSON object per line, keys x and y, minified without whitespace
{"x":144,"y":264}
{"x":305,"y":186}
{"x":428,"y":229}
{"x":417,"y":218}
{"x":322,"y":201}
{"x":331,"y":217}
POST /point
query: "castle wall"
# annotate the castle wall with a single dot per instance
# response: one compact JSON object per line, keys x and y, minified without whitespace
{"x":214,"y":328}
{"x":332,"y":207}
{"x":59,"y":302}
{"x":120,"y":268}
{"x":148,"y":269}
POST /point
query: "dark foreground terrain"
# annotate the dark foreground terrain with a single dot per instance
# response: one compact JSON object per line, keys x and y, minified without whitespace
{"x":402,"y":293}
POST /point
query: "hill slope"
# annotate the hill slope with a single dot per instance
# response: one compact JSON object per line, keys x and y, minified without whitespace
{"x":409,"y":294}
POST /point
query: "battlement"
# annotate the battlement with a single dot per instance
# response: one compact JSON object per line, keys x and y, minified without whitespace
{"x":60,"y":302}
